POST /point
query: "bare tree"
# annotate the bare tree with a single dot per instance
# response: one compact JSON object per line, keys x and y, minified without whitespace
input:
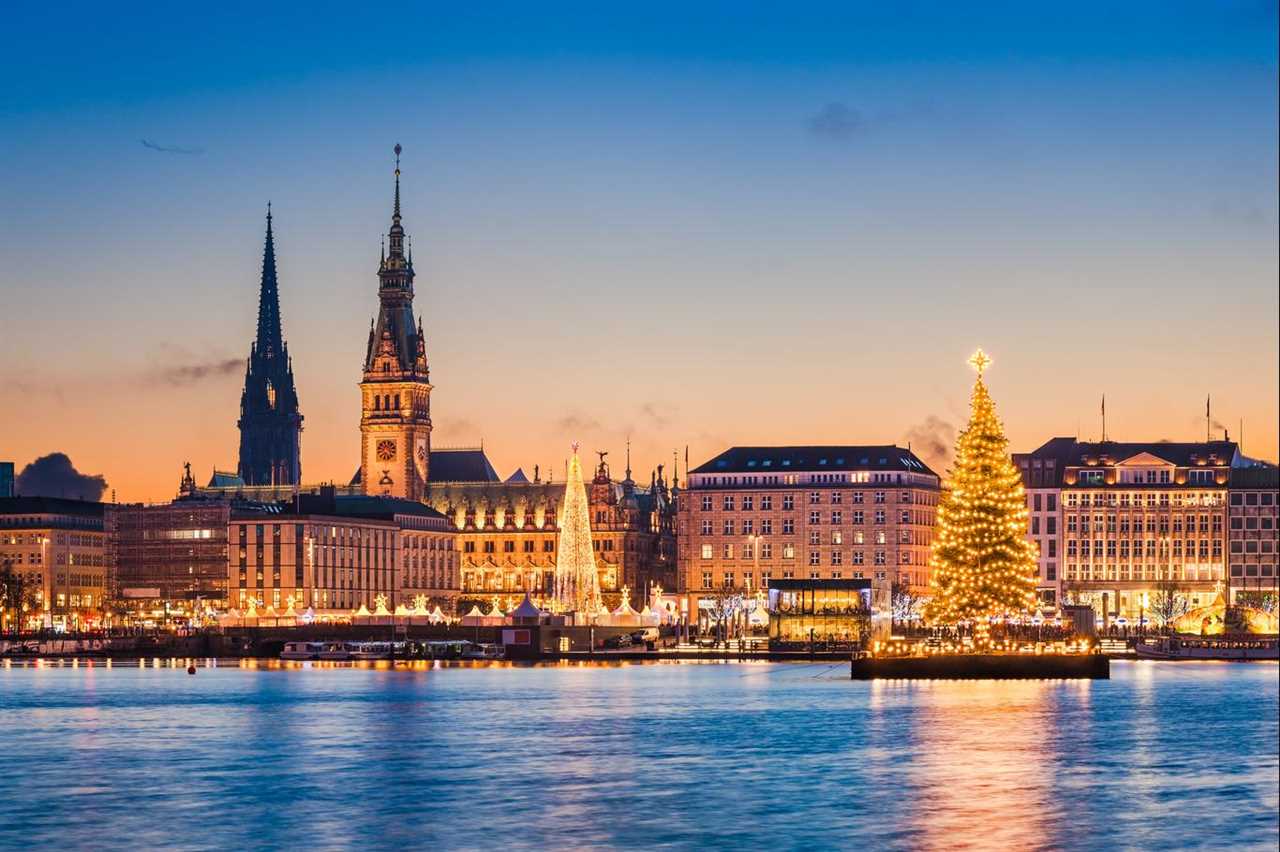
{"x":726,"y":603}
{"x":17,"y":593}
{"x":904,"y":602}
{"x":1168,"y":602}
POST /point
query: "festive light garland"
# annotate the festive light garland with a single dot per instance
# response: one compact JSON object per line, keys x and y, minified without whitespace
{"x":982,"y":563}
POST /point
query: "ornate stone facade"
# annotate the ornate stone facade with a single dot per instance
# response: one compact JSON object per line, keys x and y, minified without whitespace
{"x":507,"y":531}
{"x":395,"y":419}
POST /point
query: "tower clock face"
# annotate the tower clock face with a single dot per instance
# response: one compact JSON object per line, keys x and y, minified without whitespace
{"x":386,"y":450}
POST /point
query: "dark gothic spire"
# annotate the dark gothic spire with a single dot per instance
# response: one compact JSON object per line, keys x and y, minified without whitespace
{"x":270,"y":422}
{"x":269,"y":341}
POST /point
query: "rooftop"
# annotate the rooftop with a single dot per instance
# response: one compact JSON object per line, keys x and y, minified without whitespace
{"x":810,"y":459}
{"x":50,"y":506}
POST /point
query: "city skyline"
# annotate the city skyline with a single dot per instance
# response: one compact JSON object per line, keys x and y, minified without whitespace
{"x":693,"y":245}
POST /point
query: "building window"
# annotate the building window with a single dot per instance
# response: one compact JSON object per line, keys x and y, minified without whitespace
{"x":706,"y":553}
{"x":706,"y":502}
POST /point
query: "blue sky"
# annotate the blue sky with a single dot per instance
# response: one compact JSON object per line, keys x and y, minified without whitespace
{"x":739,"y":223}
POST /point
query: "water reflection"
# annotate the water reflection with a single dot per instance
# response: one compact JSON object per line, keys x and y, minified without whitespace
{"x":482,"y":754}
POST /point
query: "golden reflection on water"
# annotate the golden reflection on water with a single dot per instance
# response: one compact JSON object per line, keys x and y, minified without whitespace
{"x":981,"y":768}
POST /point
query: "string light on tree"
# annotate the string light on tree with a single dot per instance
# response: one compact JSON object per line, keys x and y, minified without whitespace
{"x":983,"y":565}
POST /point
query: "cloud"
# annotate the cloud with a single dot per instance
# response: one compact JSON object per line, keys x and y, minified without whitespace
{"x":933,"y":441}
{"x":1239,"y":212}
{"x":577,"y":423}
{"x":55,"y":476}
{"x":180,"y":375}
{"x":170,"y":149}
{"x":176,"y":365}
{"x":836,"y":121}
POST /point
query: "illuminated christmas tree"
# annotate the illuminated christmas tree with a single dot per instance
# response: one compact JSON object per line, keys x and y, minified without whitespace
{"x":577,"y":583}
{"x":983,"y":565}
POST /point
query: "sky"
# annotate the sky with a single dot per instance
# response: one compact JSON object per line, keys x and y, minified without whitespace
{"x":732,"y":224}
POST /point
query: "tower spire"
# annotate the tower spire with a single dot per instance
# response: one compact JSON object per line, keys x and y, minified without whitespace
{"x":269,"y":341}
{"x":395,"y":237}
{"x":395,"y":214}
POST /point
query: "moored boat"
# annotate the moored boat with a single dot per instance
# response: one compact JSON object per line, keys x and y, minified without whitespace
{"x":302,"y":650}
{"x":336,"y":651}
{"x":1221,"y":647}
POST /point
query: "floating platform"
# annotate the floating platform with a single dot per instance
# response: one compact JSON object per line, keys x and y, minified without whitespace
{"x":983,"y":667}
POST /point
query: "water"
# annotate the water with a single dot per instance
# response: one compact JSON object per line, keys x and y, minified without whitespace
{"x":1163,"y":756}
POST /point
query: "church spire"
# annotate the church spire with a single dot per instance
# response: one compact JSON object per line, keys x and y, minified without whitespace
{"x":270,"y":423}
{"x":269,"y":341}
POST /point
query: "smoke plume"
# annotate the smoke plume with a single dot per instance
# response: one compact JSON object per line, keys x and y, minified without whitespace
{"x":933,"y":441}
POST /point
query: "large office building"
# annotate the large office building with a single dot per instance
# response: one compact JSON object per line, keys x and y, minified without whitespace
{"x":170,"y":559}
{"x":59,"y":548}
{"x":1114,"y":520}
{"x":1253,"y":521}
{"x":334,"y":554}
{"x":752,"y":514}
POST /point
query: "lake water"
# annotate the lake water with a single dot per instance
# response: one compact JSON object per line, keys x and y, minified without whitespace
{"x":1163,"y":756}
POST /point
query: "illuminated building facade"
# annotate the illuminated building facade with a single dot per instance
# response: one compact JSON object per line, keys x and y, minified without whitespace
{"x":508,"y":530}
{"x":333,"y":554}
{"x":1131,"y":516}
{"x":395,"y":419}
{"x":60,"y":549}
{"x":1253,"y":515}
{"x":754,"y":514}
{"x":1042,"y":473}
{"x":170,"y":558}
{"x":270,"y":422}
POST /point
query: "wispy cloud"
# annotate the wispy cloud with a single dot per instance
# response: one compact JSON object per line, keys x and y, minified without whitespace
{"x":577,"y":423}
{"x":169,"y":149}
{"x":186,"y":374}
{"x":176,"y":365}
{"x":837,"y":121}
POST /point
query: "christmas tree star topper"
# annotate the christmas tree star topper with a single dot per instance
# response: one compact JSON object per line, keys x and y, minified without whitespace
{"x":980,"y":361}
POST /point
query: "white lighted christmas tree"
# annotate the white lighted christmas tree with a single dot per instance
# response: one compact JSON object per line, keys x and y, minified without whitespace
{"x":982,"y":563}
{"x":577,"y":583}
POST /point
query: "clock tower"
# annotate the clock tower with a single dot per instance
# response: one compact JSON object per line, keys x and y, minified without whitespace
{"x":395,"y":418}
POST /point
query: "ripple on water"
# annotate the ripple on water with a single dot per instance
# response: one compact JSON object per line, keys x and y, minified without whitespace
{"x":714,"y":756}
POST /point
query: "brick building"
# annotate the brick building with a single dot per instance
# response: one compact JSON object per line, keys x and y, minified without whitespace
{"x":752,"y":514}
{"x":333,"y":554}
{"x":1253,"y":513}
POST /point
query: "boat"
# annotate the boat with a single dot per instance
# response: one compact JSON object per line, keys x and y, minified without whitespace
{"x":1221,"y":647}
{"x":377,"y":650}
{"x":335,"y":651}
{"x":302,"y":650}
{"x":485,"y":651}
{"x":446,"y":649}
